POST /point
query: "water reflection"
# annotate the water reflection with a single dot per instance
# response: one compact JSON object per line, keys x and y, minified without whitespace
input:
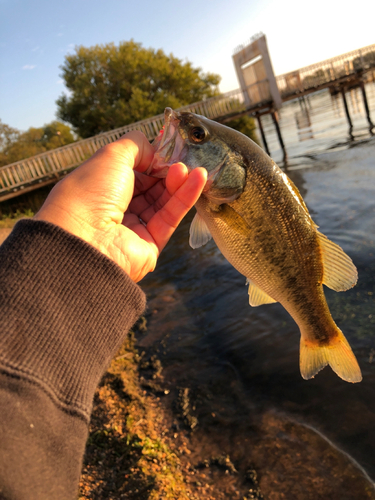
{"x":337,"y":106}
{"x":356,"y":104}
{"x":303,"y":122}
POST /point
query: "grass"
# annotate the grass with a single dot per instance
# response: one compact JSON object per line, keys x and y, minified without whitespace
{"x":9,"y":220}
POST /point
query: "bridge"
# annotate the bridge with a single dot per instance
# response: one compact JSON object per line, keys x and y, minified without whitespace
{"x":336,"y":73}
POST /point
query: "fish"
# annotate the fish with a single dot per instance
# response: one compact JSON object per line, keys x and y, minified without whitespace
{"x":262,"y":226}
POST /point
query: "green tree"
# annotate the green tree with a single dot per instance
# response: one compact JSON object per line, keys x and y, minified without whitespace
{"x":111,"y":86}
{"x":16,"y":145}
{"x":7,"y":135}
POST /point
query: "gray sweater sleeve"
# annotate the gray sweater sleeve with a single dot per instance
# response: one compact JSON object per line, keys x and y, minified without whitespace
{"x":65,"y":310}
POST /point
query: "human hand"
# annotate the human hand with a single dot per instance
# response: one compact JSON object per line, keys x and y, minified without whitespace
{"x":124,"y":214}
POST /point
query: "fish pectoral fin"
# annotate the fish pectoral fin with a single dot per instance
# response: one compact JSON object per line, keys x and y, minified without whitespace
{"x":232,"y":219}
{"x":339,"y":272}
{"x":338,"y":354}
{"x":199,"y":232}
{"x":256,"y":296}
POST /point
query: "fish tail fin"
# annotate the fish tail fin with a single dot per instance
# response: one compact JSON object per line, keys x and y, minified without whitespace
{"x":338,"y":354}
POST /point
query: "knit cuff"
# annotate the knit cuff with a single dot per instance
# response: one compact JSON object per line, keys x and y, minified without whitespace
{"x":65,"y":310}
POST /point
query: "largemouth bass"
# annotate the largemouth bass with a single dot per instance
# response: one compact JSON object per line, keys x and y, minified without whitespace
{"x":262,"y":226}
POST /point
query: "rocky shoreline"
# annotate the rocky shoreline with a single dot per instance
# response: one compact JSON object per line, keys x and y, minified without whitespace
{"x":139,"y":448}
{"x":154,"y":436}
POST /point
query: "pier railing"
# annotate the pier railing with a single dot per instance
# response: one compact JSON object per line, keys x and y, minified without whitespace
{"x":326,"y":71}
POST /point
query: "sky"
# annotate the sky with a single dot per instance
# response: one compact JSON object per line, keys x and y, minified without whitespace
{"x":36,"y":35}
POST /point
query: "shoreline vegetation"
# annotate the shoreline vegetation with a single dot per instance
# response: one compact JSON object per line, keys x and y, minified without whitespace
{"x":9,"y":220}
{"x":24,"y":205}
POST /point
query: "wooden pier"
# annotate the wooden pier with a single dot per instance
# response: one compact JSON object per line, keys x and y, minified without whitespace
{"x":338,"y":73}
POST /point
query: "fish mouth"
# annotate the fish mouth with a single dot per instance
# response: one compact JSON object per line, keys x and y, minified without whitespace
{"x":169,"y":145}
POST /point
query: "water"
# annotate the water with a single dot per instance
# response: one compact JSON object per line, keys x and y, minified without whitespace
{"x":318,"y":123}
{"x":241,"y":362}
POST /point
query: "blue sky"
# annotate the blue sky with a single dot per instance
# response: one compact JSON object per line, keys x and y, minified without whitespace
{"x":35,"y":35}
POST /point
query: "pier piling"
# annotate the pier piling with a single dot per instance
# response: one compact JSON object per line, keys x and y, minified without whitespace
{"x":362,"y":85}
{"x":342,"y":90}
{"x":263,"y":134}
{"x":275,"y":119}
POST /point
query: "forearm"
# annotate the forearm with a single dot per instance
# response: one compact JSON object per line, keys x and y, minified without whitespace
{"x":65,"y":309}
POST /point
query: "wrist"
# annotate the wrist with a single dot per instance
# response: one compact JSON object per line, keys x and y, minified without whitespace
{"x":61,"y":217}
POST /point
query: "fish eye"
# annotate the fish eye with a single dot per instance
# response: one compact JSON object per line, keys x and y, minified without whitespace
{"x":197,"y":134}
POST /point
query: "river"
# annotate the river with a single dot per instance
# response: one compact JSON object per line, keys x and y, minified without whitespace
{"x":241,"y":363}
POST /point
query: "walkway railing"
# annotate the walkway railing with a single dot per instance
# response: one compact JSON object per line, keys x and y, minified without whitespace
{"x":326,"y":71}
{"x":51,"y":165}
{"x":46,"y":167}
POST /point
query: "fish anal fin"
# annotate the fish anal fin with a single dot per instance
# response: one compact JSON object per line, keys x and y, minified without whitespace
{"x":256,"y":296}
{"x":199,"y":232}
{"x":337,"y":354}
{"x":339,"y":272}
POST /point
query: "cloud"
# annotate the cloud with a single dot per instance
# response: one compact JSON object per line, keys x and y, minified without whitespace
{"x":35,"y":48}
{"x":59,"y":34}
{"x":29,"y":66}
{"x":68,"y":47}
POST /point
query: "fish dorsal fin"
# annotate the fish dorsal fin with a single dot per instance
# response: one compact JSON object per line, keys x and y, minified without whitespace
{"x":297,"y":193}
{"x":256,"y":296}
{"x":339,"y":272}
{"x":199,"y":233}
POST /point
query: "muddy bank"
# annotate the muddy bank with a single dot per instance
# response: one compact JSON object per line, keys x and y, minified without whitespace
{"x":157,"y":434}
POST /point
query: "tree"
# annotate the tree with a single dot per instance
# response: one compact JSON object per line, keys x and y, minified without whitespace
{"x":16,"y":145}
{"x":111,"y":86}
{"x":8,"y":135}
{"x":246,"y":125}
